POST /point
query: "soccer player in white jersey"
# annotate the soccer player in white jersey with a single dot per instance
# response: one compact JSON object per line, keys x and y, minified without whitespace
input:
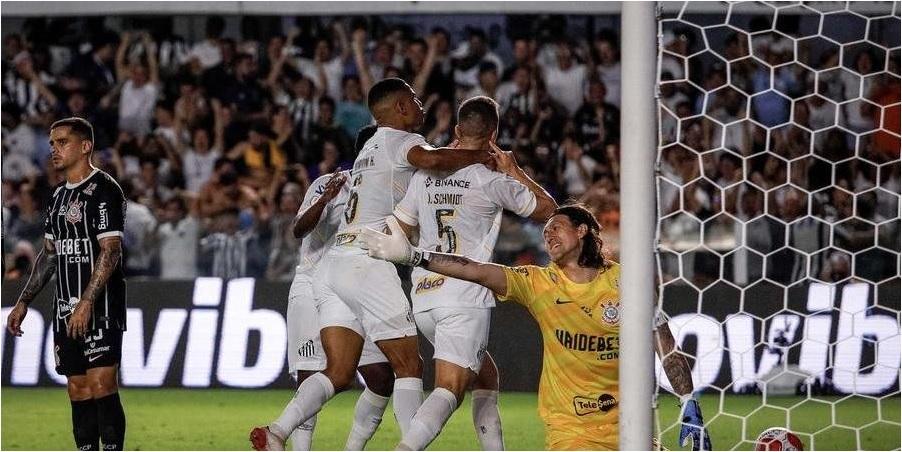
{"x":349,"y":278}
{"x":316,"y":223}
{"x":460,"y":212}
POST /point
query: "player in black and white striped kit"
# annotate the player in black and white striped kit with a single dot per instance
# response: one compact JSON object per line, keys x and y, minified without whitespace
{"x":83,"y":247}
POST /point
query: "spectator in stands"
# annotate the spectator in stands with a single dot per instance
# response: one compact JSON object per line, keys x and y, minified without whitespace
{"x":325,"y":129}
{"x":93,"y":72}
{"x":177,"y":235}
{"x":26,"y":87}
{"x":138,"y":235}
{"x":439,"y":123}
{"x":608,"y":65}
{"x":207,"y":53}
{"x":487,"y":82}
{"x":19,"y":142}
{"x":221,"y":192}
{"x":140,"y":87}
{"x":523,"y":50}
{"x":468,"y":56}
{"x":352,"y":114}
{"x":330,"y":162}
{"x":283,"y":255}
{"x":566,"y":77}
{"x":598,"y":124}
{"x":579,"y":169}
{"x":259,"y":156}
{"x":326,"y":68}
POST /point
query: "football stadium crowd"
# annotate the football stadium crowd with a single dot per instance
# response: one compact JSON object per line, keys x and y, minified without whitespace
{"x":215,"y":141}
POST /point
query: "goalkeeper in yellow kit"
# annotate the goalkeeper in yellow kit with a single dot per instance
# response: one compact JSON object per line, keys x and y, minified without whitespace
{"x":576,"y":302}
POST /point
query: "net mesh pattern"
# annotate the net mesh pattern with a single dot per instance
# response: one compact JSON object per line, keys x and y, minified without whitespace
{"x":777,"y":241}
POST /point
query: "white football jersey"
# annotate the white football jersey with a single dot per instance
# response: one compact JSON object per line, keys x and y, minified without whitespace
{"x":322,"y":236}
{"x":378,"y":181}
{"x":459,"y":213}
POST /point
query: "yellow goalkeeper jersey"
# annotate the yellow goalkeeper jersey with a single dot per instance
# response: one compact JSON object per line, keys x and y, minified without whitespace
{"x":580,"y":325}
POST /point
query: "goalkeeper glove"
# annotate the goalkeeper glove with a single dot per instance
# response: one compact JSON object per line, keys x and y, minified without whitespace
{"x":693,"y":425}
{"x":393,"y":247}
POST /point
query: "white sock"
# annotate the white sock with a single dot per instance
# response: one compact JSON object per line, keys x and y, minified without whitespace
{"x":312,"y":394}
{"x":367,"y":417}
{"x":407,"y":397}
{"x":302,"y":437}
{"x":429,"y":420}
{"x":487,"y":419}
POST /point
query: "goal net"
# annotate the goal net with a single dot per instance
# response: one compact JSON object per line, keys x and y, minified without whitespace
{"x":778,"y":187}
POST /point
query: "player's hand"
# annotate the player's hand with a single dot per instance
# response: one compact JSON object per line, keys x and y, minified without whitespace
{"x":14,"y":321}
{"x":333,"y":186}
{"x":392,"y":247}
{"x":505,"y":161}
{"x":77,"y":326}
{"x":693,"y":427}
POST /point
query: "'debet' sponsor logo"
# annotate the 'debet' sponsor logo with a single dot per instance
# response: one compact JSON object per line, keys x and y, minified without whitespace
{"x":583,"y":405}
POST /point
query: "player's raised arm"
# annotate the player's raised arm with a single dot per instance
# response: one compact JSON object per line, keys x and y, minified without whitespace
{"x":43,"y":269}
{"x":680,"y":375}
{"x":507,"y":164}
{"x":395,"y":247}
{"x":307,"y":217}
{"x":446,"y":159}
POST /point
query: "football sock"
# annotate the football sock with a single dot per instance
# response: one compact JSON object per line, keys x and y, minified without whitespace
{"x":111,"y":419}
{"x":430,"y":419}
{"x":367,"y":417}
{"x":408,"y":396}
{"x":84,"y":424}
{"x":302,"y":437}
{"x":487,"y":419}
{"x":312,"y":394}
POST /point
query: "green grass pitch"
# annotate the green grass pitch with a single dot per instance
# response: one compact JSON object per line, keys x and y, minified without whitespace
{"x":181,"y":419}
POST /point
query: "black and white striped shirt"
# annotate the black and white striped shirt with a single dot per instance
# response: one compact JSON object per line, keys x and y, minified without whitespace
{"x":79,"y":215}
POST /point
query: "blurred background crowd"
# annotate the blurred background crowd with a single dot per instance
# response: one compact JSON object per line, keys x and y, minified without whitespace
{"x":215,"y":137}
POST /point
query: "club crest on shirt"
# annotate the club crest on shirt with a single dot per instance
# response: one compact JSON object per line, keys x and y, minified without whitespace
{"x":610,"y":312}
{"x":73,"y":212}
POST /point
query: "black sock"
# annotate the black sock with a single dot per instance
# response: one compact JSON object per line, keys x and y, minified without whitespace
{"x":112,"y":422}
{"x":84,"y":424}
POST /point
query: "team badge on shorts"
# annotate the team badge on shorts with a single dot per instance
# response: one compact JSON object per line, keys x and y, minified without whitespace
{"x":610,"y":312}
{"x":73,"y":213}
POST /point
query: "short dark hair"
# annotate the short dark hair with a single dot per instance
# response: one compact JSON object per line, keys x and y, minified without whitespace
{"x":383,"y":89}
{"x":478,"y":116}
{"x":591,"y":254}
{"x":79,"y":126}
{"x":364,"y":135}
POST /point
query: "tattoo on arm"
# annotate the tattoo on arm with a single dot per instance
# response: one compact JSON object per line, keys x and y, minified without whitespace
{"x":674,"y":362}
{"x":107,"y":259}
{"x":439,"y":259}
{"x":43,"y":269}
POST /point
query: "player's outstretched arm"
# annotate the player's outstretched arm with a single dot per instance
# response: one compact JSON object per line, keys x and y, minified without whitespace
{"x":307,"y":218}
{"x":680,"y":375}
{"x":395,"y":247}
{"x":43,"y":269}
{"x":446,"y":159}
{"x":107,"y":260}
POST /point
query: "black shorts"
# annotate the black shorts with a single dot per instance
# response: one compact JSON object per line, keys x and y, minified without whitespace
{"x":99,"y":348}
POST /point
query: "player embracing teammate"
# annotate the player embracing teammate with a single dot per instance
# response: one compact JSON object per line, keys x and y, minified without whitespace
{"x":359,"y":297}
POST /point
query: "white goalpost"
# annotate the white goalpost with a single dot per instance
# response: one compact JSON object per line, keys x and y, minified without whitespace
{"x":637,"y":278}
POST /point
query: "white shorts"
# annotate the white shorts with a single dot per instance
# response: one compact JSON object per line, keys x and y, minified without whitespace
{"x":371,"y":289}
{"x":305,"y":350}
{"x":459,"y":335}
